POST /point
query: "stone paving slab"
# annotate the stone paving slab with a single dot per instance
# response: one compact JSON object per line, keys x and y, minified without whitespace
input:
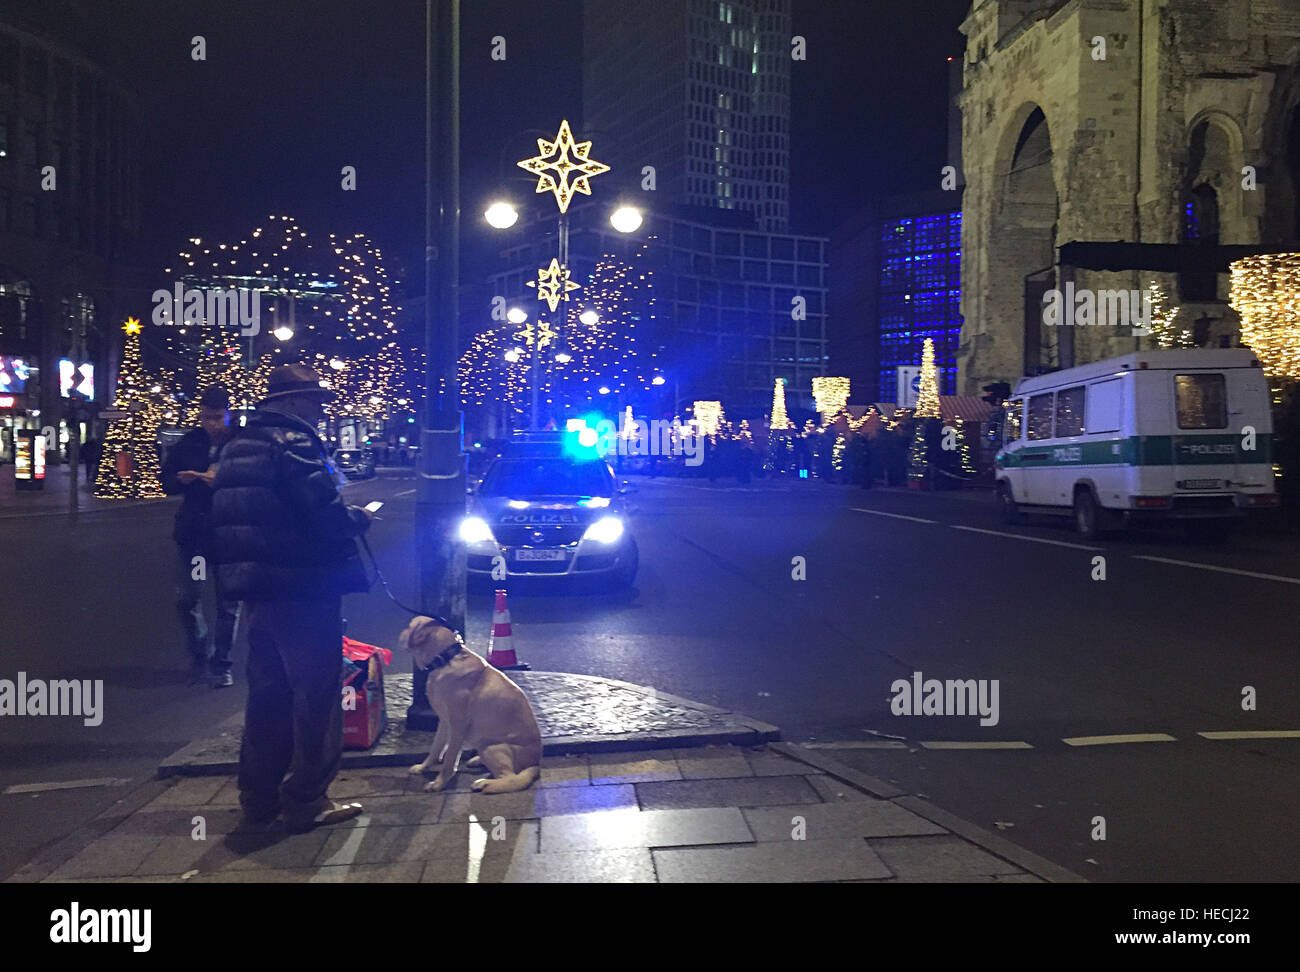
{"x":578,"y":714}
{"x":644,"y":828}
{"x":797,"y":860}
{"x":745,"y":791}
{"x":823,"y":821}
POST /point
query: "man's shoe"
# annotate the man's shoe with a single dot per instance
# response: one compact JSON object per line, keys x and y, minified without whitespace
{"x":224,"y":680}
{"x":332,"y":814}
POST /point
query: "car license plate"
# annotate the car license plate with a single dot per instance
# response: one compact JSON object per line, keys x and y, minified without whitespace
{"x":1201,"y":484}
{"x":539,"y":555}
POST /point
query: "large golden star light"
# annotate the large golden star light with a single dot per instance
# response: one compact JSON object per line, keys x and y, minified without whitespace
{"x":553,"y":284}
{"x":132,"y":326}
{"x":555,"y":156}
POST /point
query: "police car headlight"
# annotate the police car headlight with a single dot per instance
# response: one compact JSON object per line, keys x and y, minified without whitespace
{"x":608,"y":529}
{"x":474,"y":529}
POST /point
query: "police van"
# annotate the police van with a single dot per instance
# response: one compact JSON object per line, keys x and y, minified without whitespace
{"x":1170,"y":434}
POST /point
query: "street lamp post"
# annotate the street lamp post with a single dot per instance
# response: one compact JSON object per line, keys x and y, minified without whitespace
{"x":440,"y":499}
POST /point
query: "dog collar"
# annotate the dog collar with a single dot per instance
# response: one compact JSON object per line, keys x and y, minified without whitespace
{"x":444,"y":657}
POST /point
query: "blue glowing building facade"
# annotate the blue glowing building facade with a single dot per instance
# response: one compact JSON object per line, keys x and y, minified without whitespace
{"x":919,"y":296}
{"x":897,"y":269}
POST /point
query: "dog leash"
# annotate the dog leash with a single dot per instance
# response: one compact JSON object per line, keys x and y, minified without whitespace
{"x":393,"y":597}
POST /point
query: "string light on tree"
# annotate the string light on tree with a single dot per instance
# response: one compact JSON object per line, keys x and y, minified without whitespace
{"x":927,"y":401}
{"x":1266,"y":295}
{"x":780,"y":420}
{"x":1163,"y":330}
{"x":708,"y":417}
{"x":830,"y":396}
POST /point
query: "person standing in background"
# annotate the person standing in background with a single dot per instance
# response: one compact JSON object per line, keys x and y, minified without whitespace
{"x":189,"y":472}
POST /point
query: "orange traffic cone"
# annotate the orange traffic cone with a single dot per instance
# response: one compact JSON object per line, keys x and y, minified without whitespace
{"x":501,"y":653}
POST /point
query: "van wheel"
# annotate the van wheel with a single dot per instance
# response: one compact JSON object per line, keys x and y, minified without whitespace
{"x":1007,"y":507}
{"x":1087,"y":516}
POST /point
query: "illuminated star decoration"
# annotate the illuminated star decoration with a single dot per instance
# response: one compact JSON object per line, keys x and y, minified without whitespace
{"x":132,"y":326}
{"x":553,"y":284}
{"x":579,"y":171}
{"x":545,"y":334}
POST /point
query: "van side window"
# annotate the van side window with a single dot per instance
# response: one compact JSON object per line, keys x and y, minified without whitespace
{"x":1039,"y":425}
{"x":1011,"y":427}
{"x":1201,"y":401}
{"x":1069,"y":412}
{"x":1102,"y":409}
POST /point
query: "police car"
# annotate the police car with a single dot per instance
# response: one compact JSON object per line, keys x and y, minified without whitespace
{"x":549,"y":506}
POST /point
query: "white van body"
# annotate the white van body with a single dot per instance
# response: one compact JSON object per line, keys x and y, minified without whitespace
{"x":1172,"y":434}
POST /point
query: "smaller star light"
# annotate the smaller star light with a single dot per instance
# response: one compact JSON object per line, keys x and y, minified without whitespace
{"x":554,"y":157}
{"x":553,"y":284}
{"x":545,"y":334}
{"x":132,"y":325}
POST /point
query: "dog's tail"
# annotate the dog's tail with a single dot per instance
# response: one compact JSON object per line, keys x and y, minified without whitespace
{"x":515,"y":781}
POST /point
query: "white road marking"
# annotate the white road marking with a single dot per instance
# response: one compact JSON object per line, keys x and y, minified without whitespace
{"x":856,"y":744}
{"x":1253,"y":734}
{"x":896,"y":516}
{"x":1018,"y":536}
{"x":64,"y":785}
{"x":405,"y":492}
{"x":991,"y":744}
{"x":1132,"y":737}
{"x":1222,"y":570}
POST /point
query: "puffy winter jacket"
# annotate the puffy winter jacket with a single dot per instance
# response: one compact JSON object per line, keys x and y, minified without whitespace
{"x":281,"y":530}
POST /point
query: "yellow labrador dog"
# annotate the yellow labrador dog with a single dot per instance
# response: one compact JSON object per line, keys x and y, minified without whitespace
{"x":475,"y":705}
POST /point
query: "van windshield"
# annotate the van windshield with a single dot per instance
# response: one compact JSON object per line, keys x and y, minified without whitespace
{"x":1201,"y":401}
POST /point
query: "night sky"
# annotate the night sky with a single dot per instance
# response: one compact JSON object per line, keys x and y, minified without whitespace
{"x":293,"y":90}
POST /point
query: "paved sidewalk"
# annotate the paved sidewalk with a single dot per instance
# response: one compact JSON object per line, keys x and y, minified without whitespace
{"x":53,"y":499}
{"x":576,"y":713}
{"x":719,"y":814}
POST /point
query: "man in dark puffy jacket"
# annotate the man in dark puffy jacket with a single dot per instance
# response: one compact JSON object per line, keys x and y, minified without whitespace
{"x":189,"y":472}
{"x":285,"y":544}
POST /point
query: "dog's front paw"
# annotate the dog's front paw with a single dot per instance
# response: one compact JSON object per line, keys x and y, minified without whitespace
{"x":478,"y":785}
{"x":418,"y":768}
{"x":433,"y":786}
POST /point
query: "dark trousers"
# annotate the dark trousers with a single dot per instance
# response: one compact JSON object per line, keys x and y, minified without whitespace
{"x":294,"y":720}
{"x":189,"y":608}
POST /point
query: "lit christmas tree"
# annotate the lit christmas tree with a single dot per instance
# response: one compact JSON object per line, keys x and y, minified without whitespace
{"x":779,"y":418}
{"x":927,"y":401}
{"x":129,"y":468}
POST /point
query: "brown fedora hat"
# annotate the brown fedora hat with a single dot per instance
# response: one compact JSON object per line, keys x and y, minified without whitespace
{"x":295,"y":379}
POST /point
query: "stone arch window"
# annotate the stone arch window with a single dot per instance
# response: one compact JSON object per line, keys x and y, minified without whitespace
{"x":1210,"y":163}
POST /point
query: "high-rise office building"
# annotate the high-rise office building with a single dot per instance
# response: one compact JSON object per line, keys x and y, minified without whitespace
{"x":698,"y":89}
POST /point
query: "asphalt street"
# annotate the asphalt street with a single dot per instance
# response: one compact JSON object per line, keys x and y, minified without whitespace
{"x":1105,"y":687}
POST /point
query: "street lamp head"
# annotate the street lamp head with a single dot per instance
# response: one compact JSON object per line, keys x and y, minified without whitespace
{"x":563,"y":357}
{"x":283,"y":332}
{"x":589,"y":317}
{"x":516,"y":315}
{"x":626,"y":219}
{"x":658,"y":380}
{"x":513,"y":355}
{"x":604,"y":389}
{"x":501,"y":215}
